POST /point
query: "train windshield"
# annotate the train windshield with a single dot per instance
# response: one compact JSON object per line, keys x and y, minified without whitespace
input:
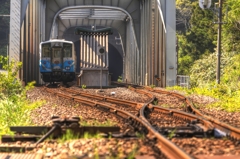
{"x":46,"y":50}
{"x":67,"y":50}
{"x":57,"y":52}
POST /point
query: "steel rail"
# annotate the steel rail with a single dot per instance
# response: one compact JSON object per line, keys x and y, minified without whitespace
{"x":168,"y":148}
{"x":206,"y":124}
{"x":230,"y":131}
{"x":184,"y":115}
{"x":104,"y":98}
{"x":173,"y":112}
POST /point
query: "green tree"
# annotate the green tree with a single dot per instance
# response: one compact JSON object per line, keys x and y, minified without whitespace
{"x":203,"y":71}
{"x":199,"y":39}
{"x":183,"y":14}
{"x":231,"y":30}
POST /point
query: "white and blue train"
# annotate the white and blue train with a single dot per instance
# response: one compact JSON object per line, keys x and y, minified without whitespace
{"x":57,"y":61}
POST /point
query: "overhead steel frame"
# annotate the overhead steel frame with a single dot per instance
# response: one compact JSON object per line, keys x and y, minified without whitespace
{"x":158,"y":53}
{"x":27,"y":29}
{"x":131,"y":53}
{"x":156,"y":56}
{"x":32,"y":33}
{"x":148,"y":64}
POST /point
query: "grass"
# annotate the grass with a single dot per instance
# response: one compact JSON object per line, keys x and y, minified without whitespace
{"x":84,"y":86}
{"x":69,"y":135}
{"x":15,"y":111}
{"x":152,"y":86}
{"x":108,"y":122}
{"x":87,"y":135}
{"x":155,"y":102}
{"x":140,"y":136}
{"x":226,"y":98}
{"x":171,"y":134}
{"x":164,"y":105}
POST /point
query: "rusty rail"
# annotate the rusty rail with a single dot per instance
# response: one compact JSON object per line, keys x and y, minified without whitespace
{"x":168,"y":148}
{"x":104,"y":98}
{"x":231,"y":131}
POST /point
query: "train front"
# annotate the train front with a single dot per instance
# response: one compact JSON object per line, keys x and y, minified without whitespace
{"x":57,"y":62}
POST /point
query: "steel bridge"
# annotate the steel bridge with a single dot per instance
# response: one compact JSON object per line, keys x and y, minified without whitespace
{"x":142,"y":48}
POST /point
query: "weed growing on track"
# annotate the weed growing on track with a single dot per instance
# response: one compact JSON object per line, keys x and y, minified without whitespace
{"x":140,"y":136}
{"x":155,"y":102}
{"x":87,"y":135}
{"x":69,"y":135}
{"x":14,"y":107}
{"x":97,"y":123}
{"x":152,"y":86}
{"x":120,"y":79}
{"x":172,"y":134}
{"x":84,"y":86}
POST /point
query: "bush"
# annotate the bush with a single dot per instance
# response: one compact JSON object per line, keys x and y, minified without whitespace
{"x":14,"y":106}
{"x":227,"y":98}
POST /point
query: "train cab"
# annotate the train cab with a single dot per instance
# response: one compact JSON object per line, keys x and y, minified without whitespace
{"x":57,"y":61}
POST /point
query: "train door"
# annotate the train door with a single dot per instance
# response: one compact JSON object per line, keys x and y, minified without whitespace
{"x":57,"y":58}
{"x":68,"y":61}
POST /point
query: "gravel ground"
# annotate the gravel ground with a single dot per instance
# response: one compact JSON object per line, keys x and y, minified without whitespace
{"x":199,"y":146}
{"x":87,"y":148}
{"x":119,"y":92}
{"x":232,"y":118}
{"x":201,"y":102}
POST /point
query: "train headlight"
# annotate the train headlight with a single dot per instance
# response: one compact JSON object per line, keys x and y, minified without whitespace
{"x":67,"y":68}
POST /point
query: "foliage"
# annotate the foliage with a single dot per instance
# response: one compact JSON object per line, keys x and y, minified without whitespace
{"x":203,"y":70}
{"x":14,"y":107}
{"x":231,"y":30}
{"x":183,"y":15}
{"x":140,"y":135}
{"x":152,"y":86}
{"x":97,"y":123}
{"x":119,"y":79}
{"x":172,"y":134}
{"x":89,"y":136}
{"x":69,"y":135}
{"x":184,"y":60}
{"x":84,"y":86}
{"x":232,"y":71}
{"x":197,"y":52}
{"x":198,"y":40}
{"x":155,"y":102}
{"x":226,"y":98}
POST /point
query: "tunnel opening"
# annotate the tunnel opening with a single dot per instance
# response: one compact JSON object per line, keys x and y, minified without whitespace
{"x":115,"y":53}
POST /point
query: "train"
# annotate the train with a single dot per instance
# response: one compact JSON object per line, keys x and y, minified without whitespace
{"x":57,"y":61}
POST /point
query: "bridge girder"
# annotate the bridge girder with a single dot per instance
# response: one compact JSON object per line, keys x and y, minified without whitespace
{"x":147,"y":34}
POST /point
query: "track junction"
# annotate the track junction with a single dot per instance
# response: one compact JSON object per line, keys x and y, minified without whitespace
{"x":168,"y":130}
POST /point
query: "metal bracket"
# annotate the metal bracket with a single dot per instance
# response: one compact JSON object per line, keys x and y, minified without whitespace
{"x":58,"y":129}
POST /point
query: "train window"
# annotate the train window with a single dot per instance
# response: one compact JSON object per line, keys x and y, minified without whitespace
{"x":46,"y":50}
{"x":57,"y":53}
{"x":67,"y":53}
{"x":67,"y":50}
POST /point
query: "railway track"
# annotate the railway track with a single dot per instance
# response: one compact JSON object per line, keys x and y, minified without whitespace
{"x":166,"y":129}
{"x":134,"y":120}
{"x":210,"y":127}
